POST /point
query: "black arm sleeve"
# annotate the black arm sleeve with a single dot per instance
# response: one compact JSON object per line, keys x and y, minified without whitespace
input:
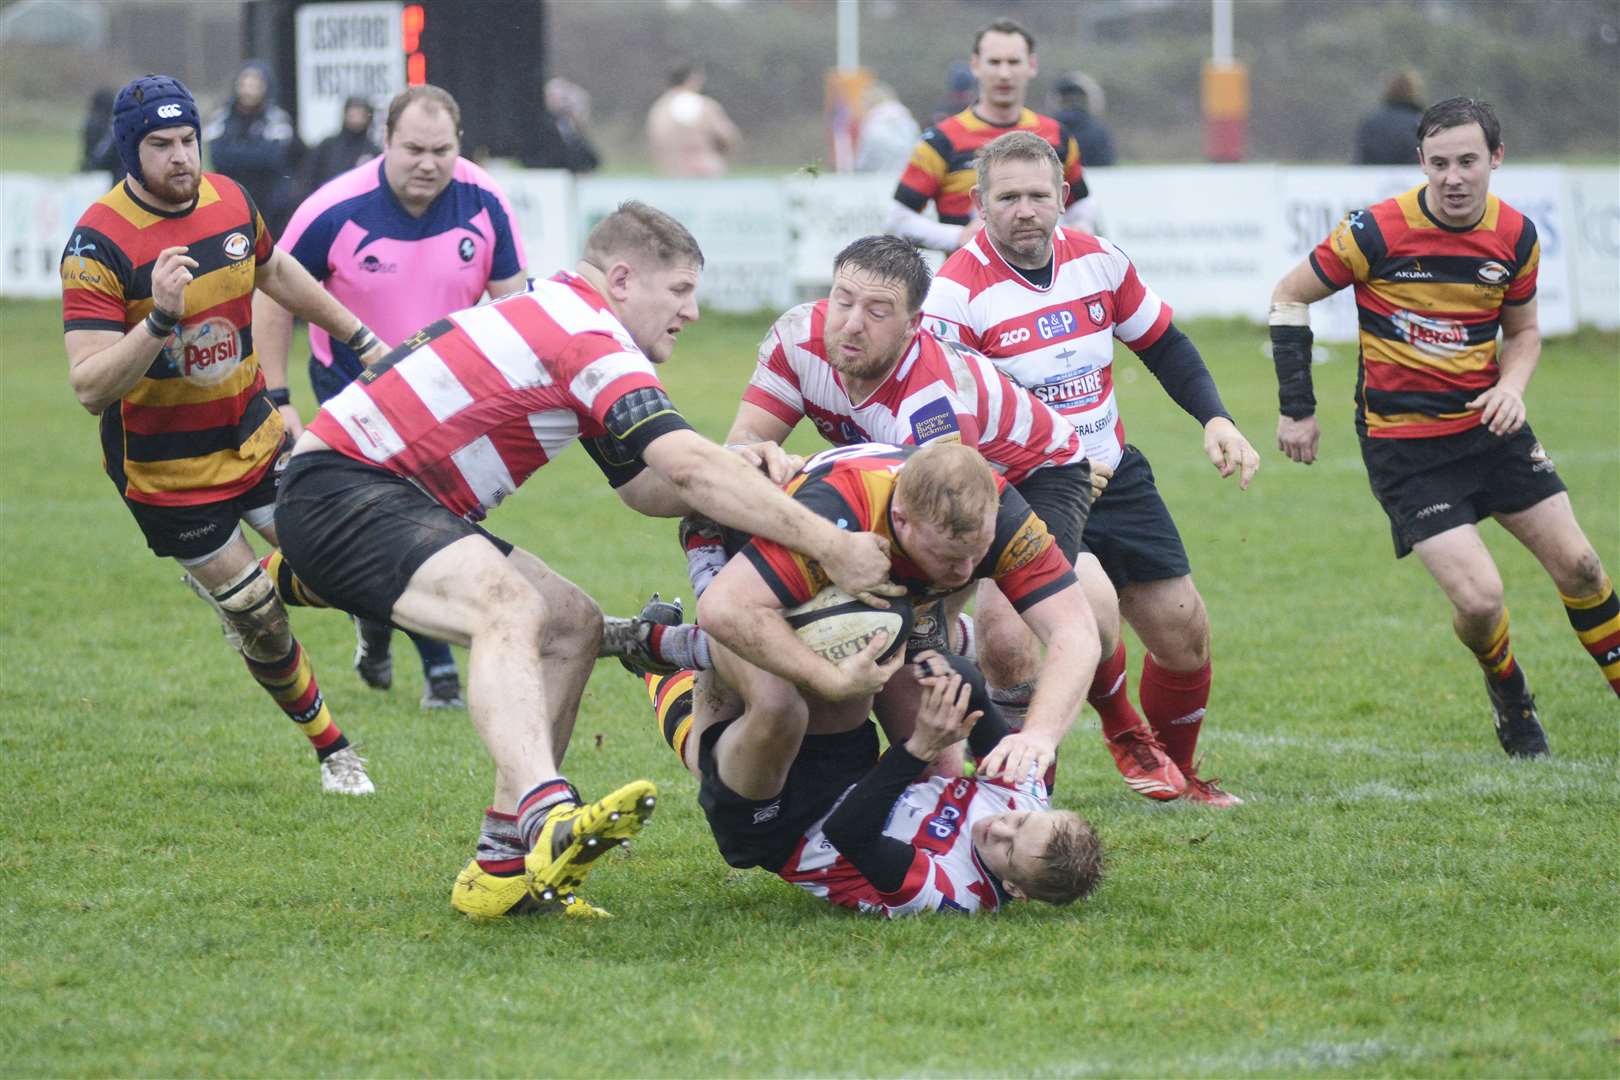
{"x":1175,"y":362}
{"x":992,"y":726}
{"x":1291,"y":356}
{"x":856,"y":827}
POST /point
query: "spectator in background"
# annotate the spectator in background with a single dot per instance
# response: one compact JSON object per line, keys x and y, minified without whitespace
{"x":688,"y":132}
{"x":560,"y":130}
{"x":100,"y":152}
{"x":888,"y":132}
{"x":961,"y":90}
{"x":1079,"y":104}
{"x":1388,"y":134}
{"x":252,"y":141}
{"x":351,"y":145}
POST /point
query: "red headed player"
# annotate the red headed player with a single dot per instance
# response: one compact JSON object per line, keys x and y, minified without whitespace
{"x":1046,"y":304}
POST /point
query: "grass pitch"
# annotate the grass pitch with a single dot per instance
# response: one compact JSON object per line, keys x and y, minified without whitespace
{"x":1397,"y":898}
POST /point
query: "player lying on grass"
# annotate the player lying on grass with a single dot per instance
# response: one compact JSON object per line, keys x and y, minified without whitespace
{"x":379,"y":506}
{"x":893,"y":842}
{"x":951,"y":521}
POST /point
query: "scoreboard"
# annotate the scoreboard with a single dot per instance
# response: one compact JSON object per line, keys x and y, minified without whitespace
{"x":490,"y":54}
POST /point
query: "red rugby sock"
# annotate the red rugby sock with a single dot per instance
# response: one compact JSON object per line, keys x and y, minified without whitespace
{"x":1174,"y":702}
{"x":1109,"y":698}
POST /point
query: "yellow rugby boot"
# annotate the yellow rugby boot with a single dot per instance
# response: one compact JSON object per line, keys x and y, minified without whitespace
{"x":481,"y":895}
{"x":573,"y":837}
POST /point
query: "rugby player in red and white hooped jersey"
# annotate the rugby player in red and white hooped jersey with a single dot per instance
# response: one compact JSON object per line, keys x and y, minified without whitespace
{"x":1046,"y":304}
{"x":378,"y":508}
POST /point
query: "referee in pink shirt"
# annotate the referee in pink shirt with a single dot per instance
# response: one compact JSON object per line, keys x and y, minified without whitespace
{"x":402,"y":241}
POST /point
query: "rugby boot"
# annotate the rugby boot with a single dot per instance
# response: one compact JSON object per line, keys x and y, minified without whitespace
{"x":1209,"y":792}
{"x":1518,"y":727}
{"x":443,"y":691}
{"x":481,"y":895}
{"x":575,"y":836}
{"x":372,"y":656}
{"x":1147,"y":769}
{"x":344,"y":773}
{"x":631,"y":639}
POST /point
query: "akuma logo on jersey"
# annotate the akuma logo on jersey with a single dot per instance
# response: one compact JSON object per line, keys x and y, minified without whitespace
{"x":237,"y":246}
{"x":1492,"y":273}
{"x":206,"y":353}
{"x":1434,"y":337}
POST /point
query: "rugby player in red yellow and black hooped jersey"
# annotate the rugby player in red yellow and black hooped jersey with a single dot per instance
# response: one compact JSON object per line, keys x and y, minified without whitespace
{"x":157,"y":285}
{"x":941,"y":167}
{"x":1440,"y":408}
{"x":950,"y":520}
{"x":932,"y":555}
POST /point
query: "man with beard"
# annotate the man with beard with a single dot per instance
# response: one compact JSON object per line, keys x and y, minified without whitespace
{"x":157,"y":286}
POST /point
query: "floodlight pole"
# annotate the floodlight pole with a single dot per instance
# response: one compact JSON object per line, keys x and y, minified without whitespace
{"x":846,"y":84}
{"x":849,"y":35}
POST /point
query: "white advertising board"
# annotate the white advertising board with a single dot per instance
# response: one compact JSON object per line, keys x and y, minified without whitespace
{"x":343,"y":50}
{"x":36,"y":222}
{"x":1593,"y":235}
{"x":543,"y":211}
{"x":739,"y":224}
{"x":826,"y":213}
{"x":1205,"y":239}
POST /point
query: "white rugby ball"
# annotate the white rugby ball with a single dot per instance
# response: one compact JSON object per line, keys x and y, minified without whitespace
{"x":835,"y":625}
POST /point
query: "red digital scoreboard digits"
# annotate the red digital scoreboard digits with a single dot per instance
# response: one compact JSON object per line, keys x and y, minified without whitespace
{"x":413,"y":21}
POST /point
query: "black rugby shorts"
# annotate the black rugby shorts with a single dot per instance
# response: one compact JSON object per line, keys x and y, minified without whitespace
{"x":1427,"y":486}
{"x":355,"y":533}
{"x":1130,"y":530}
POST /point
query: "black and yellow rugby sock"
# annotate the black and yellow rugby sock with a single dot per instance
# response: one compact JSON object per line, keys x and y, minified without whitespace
{"x":293,"y":592}
{"x":1596,"y":620}
{"x":291,"y":682}
{"x":1502,"y":671}
{"x":671,"y":697}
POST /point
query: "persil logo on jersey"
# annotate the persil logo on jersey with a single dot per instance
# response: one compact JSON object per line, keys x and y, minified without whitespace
{"x":205,"y":353}
{"x":1433,"y":337}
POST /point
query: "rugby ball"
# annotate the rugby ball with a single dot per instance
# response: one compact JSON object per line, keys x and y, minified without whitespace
{"x":835,"y":625}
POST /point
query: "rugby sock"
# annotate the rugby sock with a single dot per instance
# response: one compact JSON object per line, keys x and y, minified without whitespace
{"x":1596,"y":620}
{"x":291,"y":682}
{"x":1501,"y":670}
{"x":671,"y":697}
{"x":1109,"y":698}
{"x":1013,"y":701}
{"x":1174,"y":703}
{"x":500,"y":845}
{"x":705,"y":557}
{"x":539,"y":801}
{"x":292,"y":591}
{"x":685,"y":646}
